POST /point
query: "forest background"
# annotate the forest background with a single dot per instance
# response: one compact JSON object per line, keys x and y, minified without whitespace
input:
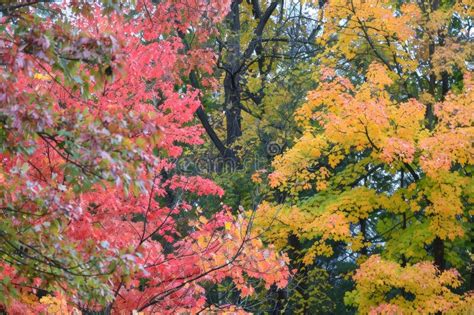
{"x":277,"y":157}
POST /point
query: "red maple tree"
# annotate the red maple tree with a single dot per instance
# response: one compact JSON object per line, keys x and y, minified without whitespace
{"x":93,"y":111}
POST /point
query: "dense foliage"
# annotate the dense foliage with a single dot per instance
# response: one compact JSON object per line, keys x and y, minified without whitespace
{"x":242,"y":156}
{"x":93,"y":213}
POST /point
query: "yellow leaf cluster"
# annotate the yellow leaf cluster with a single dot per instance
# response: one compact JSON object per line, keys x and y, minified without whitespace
{"x":56,"y":305}
{"x":419,"y":289}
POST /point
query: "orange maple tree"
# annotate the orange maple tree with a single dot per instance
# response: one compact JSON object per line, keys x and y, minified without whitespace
{"x":385,"y":158}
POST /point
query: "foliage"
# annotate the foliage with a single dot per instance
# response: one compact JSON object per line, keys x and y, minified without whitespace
{"x":369,"y":102}
{"x":385,"y":158}
{"x":93,"y":110}
{"x":378,"y":278}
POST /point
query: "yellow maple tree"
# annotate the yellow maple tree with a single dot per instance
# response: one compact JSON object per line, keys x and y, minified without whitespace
{"x":385,"y":158}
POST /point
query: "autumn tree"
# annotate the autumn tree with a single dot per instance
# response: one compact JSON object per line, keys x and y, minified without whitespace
{"x":260,"y":48}
{"x":383,"y":166}
{"x":263,"y":74}
{"x":95,"y":216}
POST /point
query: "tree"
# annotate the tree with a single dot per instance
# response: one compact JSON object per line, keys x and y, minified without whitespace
{"x":260,"y":48}
{"x":385,"y":159}
{"x":94,"y":214}
{"x":264,"y":72}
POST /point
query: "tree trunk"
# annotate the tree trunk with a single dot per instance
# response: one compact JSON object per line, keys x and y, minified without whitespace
{"x":363,"y":230}
{"x":232,"y":106}
{"x":438,"y":253}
